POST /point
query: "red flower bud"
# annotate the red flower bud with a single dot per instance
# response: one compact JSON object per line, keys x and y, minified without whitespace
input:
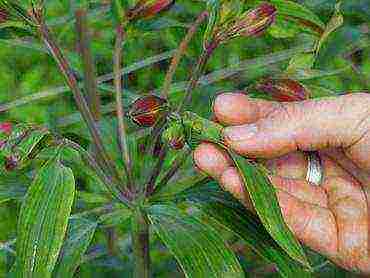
{"x":251,"y":23}
{"x":11,"y":163}
{"x":284,"y":90}
{"x":146,"y":110}
{"x":148,"y":8}
{"x":6,"y":128}
{"x":3,"y":15}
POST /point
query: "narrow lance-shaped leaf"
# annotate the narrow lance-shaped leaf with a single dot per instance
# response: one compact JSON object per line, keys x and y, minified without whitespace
{"x":259,"y":187}
{"x":221,"y":206}
{"x":79,"y":235}
{"x":43,"y":220}
{"x":299,"y":14}
{"x":263,"y":196}
{"x":200,"y":251}
{"x":335,"y":22}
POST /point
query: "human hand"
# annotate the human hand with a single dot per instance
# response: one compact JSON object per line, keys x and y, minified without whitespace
{"x":333,"y":218}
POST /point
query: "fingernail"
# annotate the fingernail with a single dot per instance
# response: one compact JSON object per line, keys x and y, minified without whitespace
{"x":240,"y":133}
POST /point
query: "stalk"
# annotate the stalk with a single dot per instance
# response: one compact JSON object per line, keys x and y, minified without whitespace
{"x":180,"y":52}
{"x":140,"y":245}
{"x":172,"y":69}
{"x":104,"y":161}
{"x":117,"y":60}
{"x":202,"y":61}
{"x":90,"y":83}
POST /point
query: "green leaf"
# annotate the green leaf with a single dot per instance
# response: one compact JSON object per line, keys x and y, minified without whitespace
{"x":283,"y":28}
{"x":198,"y":248}
{"x":301,"y":61}
{"x":24,"y":142}
{"x":79,"y":235}
{"x":43,"y":220}
{"x":263,"y":196}
{"x":13,"y":186}
{"x":116,"y":217}
{"x":235,"y":217}
{"x":302,"y":16}
{"x":335,"y":22}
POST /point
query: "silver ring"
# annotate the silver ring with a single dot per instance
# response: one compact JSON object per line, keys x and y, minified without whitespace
{"x":315,"y":171}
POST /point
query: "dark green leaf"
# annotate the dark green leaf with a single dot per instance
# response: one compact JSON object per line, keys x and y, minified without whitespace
{"x":79,"y":235}
{"x":13,"y":186}
{"x":299,"y":14}
{"x":43,"y":220}
{"x":200,"y":251}
{"x":335,"y":22}
{"x":239,"y":220}
{"x":263,"y":196}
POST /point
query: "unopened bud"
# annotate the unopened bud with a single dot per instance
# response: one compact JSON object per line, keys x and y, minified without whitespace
{"x":5,"y":130}
{"x":147,"y":110}
{"x":174,"y":136}
{"x":3,"y":15}
{"x":11,"y":163}
{"x":148,"y":8}
{"x":284,"y":90}
{"x":250,"y":23}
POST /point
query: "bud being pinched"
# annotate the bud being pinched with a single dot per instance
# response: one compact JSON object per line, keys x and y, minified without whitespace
{"x":148,"y":8}
{"x":174,"y":136}
{"x":147,"y":110}
{"x":250,"y":23}
{"x":283,"y":90}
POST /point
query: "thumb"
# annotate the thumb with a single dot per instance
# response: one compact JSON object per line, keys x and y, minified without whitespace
{"x":310,"y":125}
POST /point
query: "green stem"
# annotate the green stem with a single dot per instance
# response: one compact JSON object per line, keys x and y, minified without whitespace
{"x":104,"y":159}
{"x":180,"y":52}
{"x":140,"y":245}
{"x":202,"y":61}
{"x":117,"y":60}
{"x":90,"y":83}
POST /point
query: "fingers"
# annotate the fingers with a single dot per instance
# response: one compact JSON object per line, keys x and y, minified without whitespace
{"x":312,"y":225}
{"x":347,"y":201}
{"x":238,"y":108}
{"x":302,"y":205}
{"x":273,"y":129}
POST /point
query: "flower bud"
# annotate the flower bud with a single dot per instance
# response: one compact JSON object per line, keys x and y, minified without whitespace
{"x":283,"y":90}
{"x":5,"y":130}
{"x":174,"y":136}
{"x":250,"y":23}
{"x":147,"y":110}
{"x":148,"y":8}
{"x":11,"y":163}
{"x":3,"y":15}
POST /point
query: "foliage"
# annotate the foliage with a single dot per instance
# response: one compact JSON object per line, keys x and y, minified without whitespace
{"x":76,"y":204}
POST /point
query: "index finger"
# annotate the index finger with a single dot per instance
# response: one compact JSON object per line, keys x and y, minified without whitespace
{"x":238,"y":108}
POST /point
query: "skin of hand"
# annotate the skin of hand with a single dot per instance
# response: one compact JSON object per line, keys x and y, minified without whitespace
{"x":332,"y":219}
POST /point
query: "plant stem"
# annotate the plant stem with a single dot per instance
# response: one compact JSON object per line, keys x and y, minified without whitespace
{"x":172,"y":171}
{"x":140,"y":245}
{"x":89,"y":69}
{"x":117,"y":60}
{"x":107,"y":181}
{"x":180,"y":52}
{"x":202,"y":61}
{"x":172,"y":69}
{"x":156,"y":171}
{"x":106,"y":162}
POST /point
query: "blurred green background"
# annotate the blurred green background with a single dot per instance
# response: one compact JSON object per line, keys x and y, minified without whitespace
{"x":32,"y":90}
